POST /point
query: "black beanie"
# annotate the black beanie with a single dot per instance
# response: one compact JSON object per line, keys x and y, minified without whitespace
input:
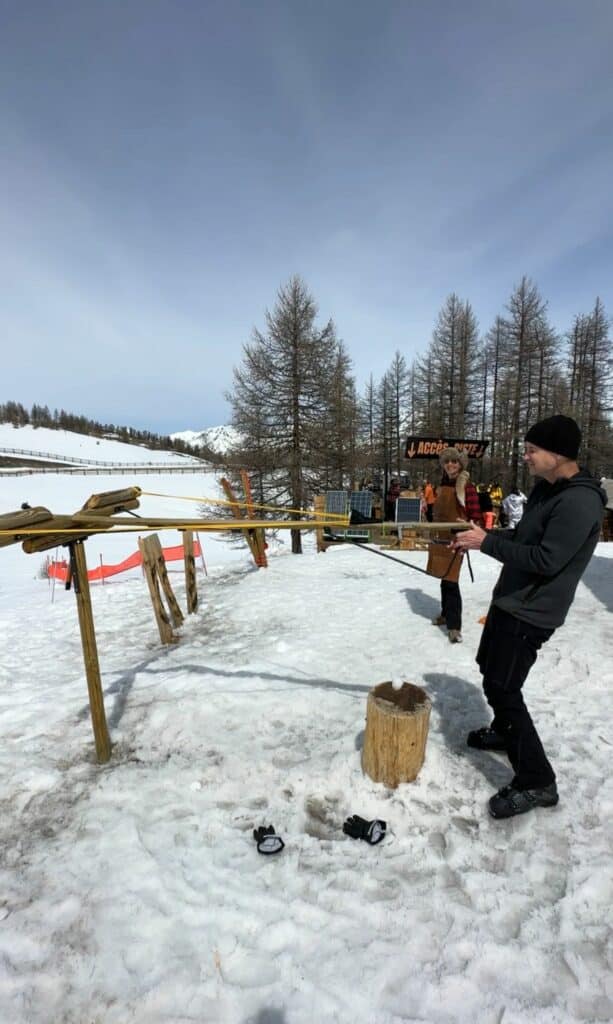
{"x":558,"y":434}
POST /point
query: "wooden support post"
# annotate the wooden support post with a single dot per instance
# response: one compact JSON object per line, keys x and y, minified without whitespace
{"x":259,"y":542}
{"x":396,"y":733}
{"x":248,"y":534}
{"x":154,"y":568}
{"x":90,"y":651}
{"x":191,"y":589}
{"x":319,"y":504}
{"x":202,"y":555}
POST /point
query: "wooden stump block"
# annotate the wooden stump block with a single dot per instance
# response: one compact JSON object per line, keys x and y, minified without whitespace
{"x":396,"y":733}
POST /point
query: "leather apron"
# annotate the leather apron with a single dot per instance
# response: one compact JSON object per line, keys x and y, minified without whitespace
{"x":441,"y":560}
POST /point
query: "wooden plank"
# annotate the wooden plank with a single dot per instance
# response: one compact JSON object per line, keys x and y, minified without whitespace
{"x":258,"y":534}
{"x":191,"y":589}
{"x":160,"y":564}
{"x":148,"y":551}
{"x":90,"y":651}
{"x":239,"y":514}
{"x":319,"y":505}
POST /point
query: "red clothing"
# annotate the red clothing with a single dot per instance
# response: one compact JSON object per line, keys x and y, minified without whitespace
{"x":472,"y":507}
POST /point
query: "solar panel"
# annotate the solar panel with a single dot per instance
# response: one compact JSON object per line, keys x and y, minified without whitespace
{"x":360,"y":501}
{"x":408,"y":510}
{"x":341,"y":502}
{"x":337,"y":502}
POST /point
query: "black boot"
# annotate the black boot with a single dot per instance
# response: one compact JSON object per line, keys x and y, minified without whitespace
{"x":485,"y":739}
{"x":509,"y":801}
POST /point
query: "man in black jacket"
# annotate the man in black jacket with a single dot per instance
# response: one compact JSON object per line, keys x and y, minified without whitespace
{"x":543,"y":560}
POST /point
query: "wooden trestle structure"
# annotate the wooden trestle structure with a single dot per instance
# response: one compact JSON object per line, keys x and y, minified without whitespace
{"x":38,"y":529}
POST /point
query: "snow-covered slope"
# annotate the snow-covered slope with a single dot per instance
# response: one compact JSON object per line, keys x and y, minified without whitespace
{"x":82,"y":446}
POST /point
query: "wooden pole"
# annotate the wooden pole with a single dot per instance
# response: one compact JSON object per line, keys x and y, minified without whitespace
{"x":202,"y":555}
{"x":191,"y":588}
{"x":53,"y":584}
{"x":249,"y":535}
{"x":160,"y":567}
{"x":258,"y":535}
{"x":90,"y":651}
{"x":319,"y":504}
{"x":153,"y":566}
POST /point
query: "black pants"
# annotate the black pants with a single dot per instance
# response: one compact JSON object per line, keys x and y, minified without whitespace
{"x":451,"y":604}
{"x":507,"y":652}
{"x":429,"y":511}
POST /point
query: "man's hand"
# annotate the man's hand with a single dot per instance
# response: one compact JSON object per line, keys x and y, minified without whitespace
{"x":469,"y":540}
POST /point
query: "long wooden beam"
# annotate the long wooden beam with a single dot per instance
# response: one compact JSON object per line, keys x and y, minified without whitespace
{"x":62,"y":529}
{"x":268,"y":524}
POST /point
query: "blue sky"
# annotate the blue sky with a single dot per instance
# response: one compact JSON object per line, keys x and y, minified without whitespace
{"x":167,"y":165}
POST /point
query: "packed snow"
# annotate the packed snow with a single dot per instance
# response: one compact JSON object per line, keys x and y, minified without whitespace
{"x":133,"y":891}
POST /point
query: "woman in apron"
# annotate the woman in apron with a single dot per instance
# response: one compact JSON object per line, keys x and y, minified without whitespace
{"x":456,"y":499}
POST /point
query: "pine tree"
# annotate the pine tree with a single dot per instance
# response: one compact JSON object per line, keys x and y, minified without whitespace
{"x":281,"y":392}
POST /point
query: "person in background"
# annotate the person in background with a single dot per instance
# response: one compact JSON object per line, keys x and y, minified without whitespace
{"x":543,"y":560}
{"x":393,"y":493}
{"x":485,"y":501}
{"x":456,"y":499}
{"x":513,"y":507}
{"x":429,"y":498}
{"x":495,"y":492}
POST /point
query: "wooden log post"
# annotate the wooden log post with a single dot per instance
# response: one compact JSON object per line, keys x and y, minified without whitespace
{"x":396,"y":733}
{"x":319,"y":505}
{"x":155,"y":573}
{"x":191,"y":589}
{"x":259,"y":541}
{"x":249,"y":535}
{"x":90,"y":650}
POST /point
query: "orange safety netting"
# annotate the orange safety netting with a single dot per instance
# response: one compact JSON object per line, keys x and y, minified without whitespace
{"x":59,"y":570}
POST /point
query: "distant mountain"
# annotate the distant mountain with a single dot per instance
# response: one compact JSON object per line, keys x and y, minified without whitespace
{"x":219,"y":439}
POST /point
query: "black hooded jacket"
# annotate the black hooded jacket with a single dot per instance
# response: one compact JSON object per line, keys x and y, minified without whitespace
{"x":546,"y":555}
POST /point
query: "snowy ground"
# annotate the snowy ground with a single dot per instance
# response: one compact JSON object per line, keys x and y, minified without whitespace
{"x":134,"y":892}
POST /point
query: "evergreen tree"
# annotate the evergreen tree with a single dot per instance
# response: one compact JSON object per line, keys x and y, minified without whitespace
{"x":281,"y":393}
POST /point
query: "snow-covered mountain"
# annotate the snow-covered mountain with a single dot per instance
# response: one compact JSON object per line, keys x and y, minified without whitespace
{"x":218,"y":439}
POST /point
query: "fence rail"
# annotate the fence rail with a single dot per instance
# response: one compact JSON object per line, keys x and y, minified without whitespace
{"x":83,"y":462}
{"x":125,"y":470}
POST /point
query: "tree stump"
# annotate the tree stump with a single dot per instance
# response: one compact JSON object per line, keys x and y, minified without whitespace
{"x":396,"y":733}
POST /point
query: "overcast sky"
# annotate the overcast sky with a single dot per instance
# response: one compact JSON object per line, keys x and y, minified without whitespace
{"x":165,"y":166}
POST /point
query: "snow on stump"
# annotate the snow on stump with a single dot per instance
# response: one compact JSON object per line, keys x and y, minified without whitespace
{"x":396,"y":733}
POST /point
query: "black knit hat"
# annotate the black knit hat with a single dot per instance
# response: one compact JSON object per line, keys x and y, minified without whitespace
{"x":558,"y":434}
